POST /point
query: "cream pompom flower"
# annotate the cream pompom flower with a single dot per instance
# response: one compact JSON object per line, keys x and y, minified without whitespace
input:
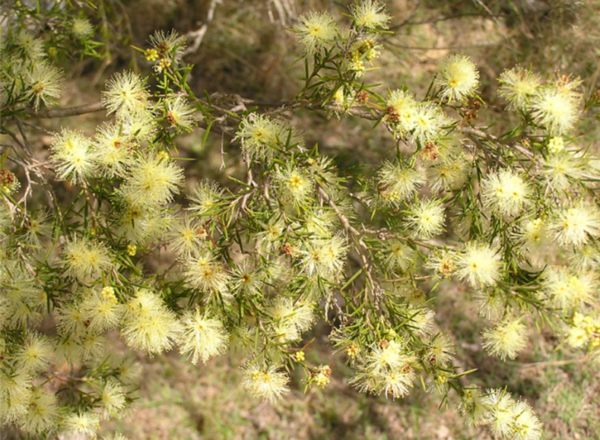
{"x":31,"y":47}
{"x":401,"y":110}
{"x":556,"y":107}
{"x":574,"y":226}
{"x":35,"y":354}
{"x":81,"y":424}
{"x":506,"y":192}
{"x":42,"y":412}
{"x":261,"y":137}
{"x":427,"y":218}
{"x":458,"y":77}
{"x":112,"y":397}
{"x":102,"y":310}
{"x":45,"y":83}
{"x":294,"y":183}
{"x":205,"y":198}
{"x":148,"y":324}
{"x":370,"y":14}
{"x":201,"y":337}
{"x":179,"y":114}
{"x":479,"y":265}
{"x":113,"y":149}
{"x":81,"y":28}
{"x":269,"y":384}
{"x":397,"y":255}
{"x":315,"y":31}
{"x":506,"y":339}
{"x":168,"y":45}
{"x":126,"y":93}
{"x":152,"y":180}
{"x":428,"y":123}
{"x":562,"y":168}
{"x":448,"y":174}
{"x":186,"y":236}
{"x":518,"y":85}
{"x":74,"y":156}
{"x":397,"y":182}
{"x":206,"y":274}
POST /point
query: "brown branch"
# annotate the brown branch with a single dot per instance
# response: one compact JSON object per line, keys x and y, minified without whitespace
{"x":362,"y":248}
{"x":492,"y":138}
{"x":198,"y":35}
{"x":64,"y":112}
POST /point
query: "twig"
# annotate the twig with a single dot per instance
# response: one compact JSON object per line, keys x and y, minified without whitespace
{"x":64,"y":112}
{"x":198,"y":35}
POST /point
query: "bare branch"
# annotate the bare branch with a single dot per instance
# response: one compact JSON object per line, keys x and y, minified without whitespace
{"x":198,"y":35}
{"x":64,"y":112}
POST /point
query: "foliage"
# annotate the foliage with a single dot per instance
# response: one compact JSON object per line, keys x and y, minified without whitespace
{"x":298,"y":238}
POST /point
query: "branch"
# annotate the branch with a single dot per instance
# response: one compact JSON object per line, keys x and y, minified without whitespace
{"x":341,"y":216}
{"x":362,"y":248}
{"x":199,"y":34}
{"x":491,"y":137}
{"x":64,"y":112}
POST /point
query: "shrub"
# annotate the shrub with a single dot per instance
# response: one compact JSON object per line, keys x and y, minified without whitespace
{"x":104,"y":234}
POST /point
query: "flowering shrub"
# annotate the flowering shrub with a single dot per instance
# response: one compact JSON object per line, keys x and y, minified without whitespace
{"x":296,"y":240}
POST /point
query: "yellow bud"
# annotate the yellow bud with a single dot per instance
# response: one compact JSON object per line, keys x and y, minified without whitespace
{"x":131,"y":250}
{"x":108,"y":293}
{"x":352,"y":350}
{"x":163,"y":155}
{"x":151,"y":55}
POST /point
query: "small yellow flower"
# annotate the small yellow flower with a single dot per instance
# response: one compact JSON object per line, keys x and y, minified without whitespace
{"x":352,"y":350}
{"x":322,"y":377}
{"x":556,"y":145}
{"x":151,"y":55}
{"x":108,"y":293}
{"x":131,"y":250}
